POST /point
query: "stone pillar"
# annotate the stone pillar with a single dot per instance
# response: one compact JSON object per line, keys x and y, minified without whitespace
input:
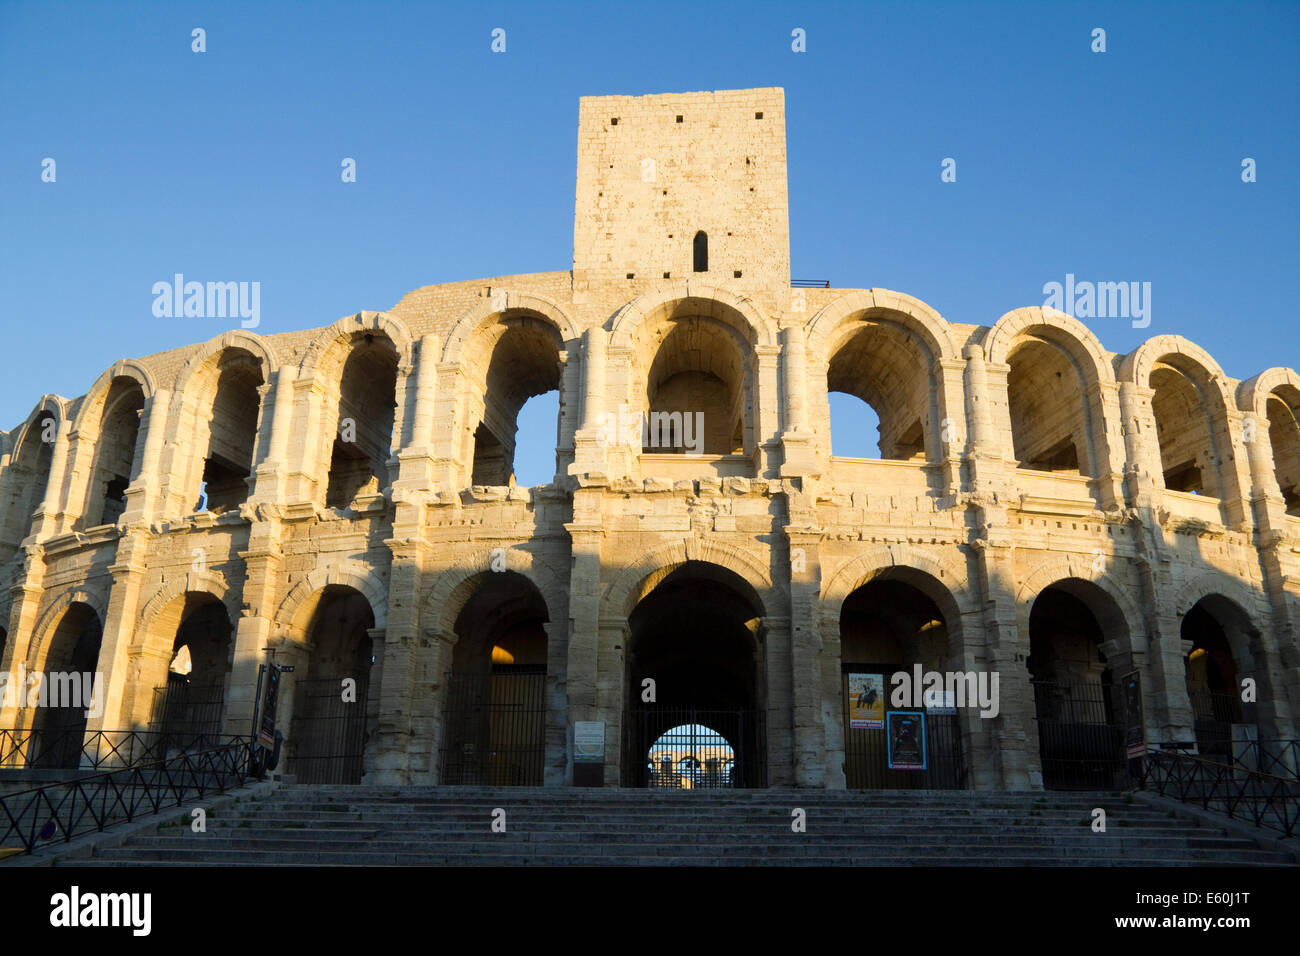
{"x":45,"y":524}
{"x":818,"y":737}
{"x":142,"y":495}
{"x":798,"y":452}
{"x":584,"y":622}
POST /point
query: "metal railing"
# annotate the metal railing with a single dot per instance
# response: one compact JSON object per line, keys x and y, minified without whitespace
{"x":58,"y":750}
{"x":1263,"y":799}
{"x":810,"y":283}
{"x":62,"y":811}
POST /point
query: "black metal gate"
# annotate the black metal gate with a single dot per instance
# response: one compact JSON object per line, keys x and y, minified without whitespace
{"x":1080,"y":740}
{"x":1215,"y":713}
{"x":866,"y":749}
{"x":328,"y":735}
{"x":186,"y":715}
{"x":691,"y":748}
{"x":495,"y":728}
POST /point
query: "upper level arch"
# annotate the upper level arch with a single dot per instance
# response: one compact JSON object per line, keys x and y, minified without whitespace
{"x":694,"y":299}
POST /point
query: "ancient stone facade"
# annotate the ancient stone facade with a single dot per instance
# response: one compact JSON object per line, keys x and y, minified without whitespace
{"x":342,"y":500}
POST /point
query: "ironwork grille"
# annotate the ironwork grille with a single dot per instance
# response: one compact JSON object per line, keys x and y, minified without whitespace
{"x":866,"y":750}
{"x":186,"y":714}
{"x":496,"y":727}
{"x":329,"y":734}
{"x":688,"y":748}
{"x":1215,"y":713}
{"x":1080,"y":741}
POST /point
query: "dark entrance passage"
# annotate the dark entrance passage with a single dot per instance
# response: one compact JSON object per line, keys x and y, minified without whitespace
{"x":888,"y":626}
{"x":1227,"y":728}
{"x":187,"y":709}
{"x":495,"y":717}
{"x":73,"y":659}
{"x":331,"y":707}
{"x":696,"y":637}
{"x":1080,"y":732}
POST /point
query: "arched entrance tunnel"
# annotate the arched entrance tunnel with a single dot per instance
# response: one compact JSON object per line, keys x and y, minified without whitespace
{"x":889,"y":626}
{"x":695,"y":702}
{"x":332,"y":710}
{"x":1076,"y":696}
{"x":495,"y":716}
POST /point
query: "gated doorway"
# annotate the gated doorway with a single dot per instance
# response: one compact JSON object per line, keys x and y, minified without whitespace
{"x":332,"y":710}
{"x":330,"y":731}
{"x":1223,"y":644}
{"x":496,"y":713}
{"x":188,"y":707}
{"x":699,"y":723}
{"x":889,"y":625}
{"x":1080,"y":728}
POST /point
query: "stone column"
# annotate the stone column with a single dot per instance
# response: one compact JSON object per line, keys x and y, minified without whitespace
{"x":142,"y":495}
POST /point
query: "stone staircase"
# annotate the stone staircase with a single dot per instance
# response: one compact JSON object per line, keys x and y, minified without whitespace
{"x":327,"y":825}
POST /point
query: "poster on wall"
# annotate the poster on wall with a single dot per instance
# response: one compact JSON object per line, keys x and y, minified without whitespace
{"x":867,"y":701}
{"x":906,"y":737}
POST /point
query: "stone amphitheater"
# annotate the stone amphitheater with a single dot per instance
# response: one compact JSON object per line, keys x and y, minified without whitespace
{"x":1116,"y":537}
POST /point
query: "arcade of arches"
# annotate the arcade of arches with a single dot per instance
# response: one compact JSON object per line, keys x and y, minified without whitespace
{"x":1116,"y":537}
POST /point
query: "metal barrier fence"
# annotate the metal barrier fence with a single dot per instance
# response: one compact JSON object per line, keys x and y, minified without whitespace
{"x":1262,"y":799}
{"x":62,"y":811}
{"x":95,"y":749}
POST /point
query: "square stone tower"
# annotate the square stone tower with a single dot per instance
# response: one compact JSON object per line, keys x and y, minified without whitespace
{"x":682,"y":185}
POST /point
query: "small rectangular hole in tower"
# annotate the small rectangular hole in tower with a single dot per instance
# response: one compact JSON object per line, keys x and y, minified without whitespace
{"x":613,"y":121}
{"x":736,"y":274}
{"x":668,"y":275}
{"x":631,"y":275}
{"x":679,"y":119}
{"x":756,"y":116}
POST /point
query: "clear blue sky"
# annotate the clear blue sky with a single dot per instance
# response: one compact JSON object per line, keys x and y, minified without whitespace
{"x":1122,"y":166}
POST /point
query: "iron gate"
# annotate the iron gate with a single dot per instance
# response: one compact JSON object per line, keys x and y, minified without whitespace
{"x":496,"y":727}
{"x":328,"y":734}
{"x":1215,"y":713}
{"x":185,"y":715}
{"x":1080,"y":740}
{"x":866,"y":750}
{"x":690,"y":748}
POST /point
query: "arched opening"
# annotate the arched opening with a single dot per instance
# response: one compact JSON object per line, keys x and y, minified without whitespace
{"x":189,"y":700}
{"x":1047,"y":399}
{"x":536,"y":439}
{"x":1226,"y":726}
{"x":1189,"y":458}
{"x":889,"y":627}
{"x":495,"y":716}
{"x":883,"y":365}
{"x":116,"y":462}
{"x":28,"y":474}
{"x":1080,"y":735}
{"x":68,"y":689}
{"x":701,"y":252}
{"x":697,"y":636}
{"x":691,"y":757}
{"x":697,"y":390}
{"x":1283,"y":408}
{"x":231,"y":432}
{"x":333,"y":715}
{"x":364,"y":438}
{"x":524,"y":363}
